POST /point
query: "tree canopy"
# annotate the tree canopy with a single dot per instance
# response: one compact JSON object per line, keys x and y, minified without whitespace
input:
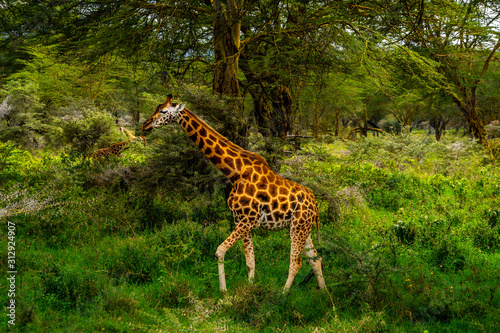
{"x":279,"y":64}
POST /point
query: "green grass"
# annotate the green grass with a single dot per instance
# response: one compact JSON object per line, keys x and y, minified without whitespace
{"x":410,"y":240}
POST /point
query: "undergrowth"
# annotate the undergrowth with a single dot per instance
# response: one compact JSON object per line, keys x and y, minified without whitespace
{"x":409,"y":241}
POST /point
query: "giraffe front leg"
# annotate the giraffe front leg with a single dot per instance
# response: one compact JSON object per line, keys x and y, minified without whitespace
{"x":222,"y":275}
{"x":295,"y":258}
{"x":243,"y":228}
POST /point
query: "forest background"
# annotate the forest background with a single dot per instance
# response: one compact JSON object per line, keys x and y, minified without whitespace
{"x":387,"y":110}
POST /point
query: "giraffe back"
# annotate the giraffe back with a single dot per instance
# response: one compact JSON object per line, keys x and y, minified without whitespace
{"x":113,"y":150}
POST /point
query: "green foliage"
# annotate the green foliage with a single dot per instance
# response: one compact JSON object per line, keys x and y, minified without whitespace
{"x":495,"y":148}
{"x":171,"y":291}
{"x":90,"y":130}
{"x":21,"y":112}
{"x":407,"y":151}
{"x":133,"y":260}
{"x":55,"y":101}
{"x":409,"y":234}
{"x":63,"y":288}
{"x":176,"y":165}
{"x":11,"y":158}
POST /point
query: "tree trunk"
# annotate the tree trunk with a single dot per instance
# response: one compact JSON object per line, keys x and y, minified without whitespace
{"x":363,"y":131}
{"x":272,"y":110}
{"x":136,"y":113}
{"x":337,"y":122}
{"x":282,"y":110}
{"x":227,"y":28}
{"x":262,"y":111}
{"x":469,"y":110}
{"x":438,"y":131}
{"x":477,"y":127}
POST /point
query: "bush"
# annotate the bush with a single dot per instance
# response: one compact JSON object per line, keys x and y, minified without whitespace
{"x":21,"y":113}
{"x":171,"y":291}
{"x":495,"y":148}
{"x":88,"y":130}
{"x":66,"y":287}
{"x":134,"y":260}
{"x":177,"y":167}
{"x":390,"y":125}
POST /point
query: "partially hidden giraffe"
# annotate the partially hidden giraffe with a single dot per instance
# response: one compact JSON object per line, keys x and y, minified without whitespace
{"x":117,"y":148}
{"x":259,"y":197}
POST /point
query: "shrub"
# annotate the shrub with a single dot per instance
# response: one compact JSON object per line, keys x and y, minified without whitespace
{"x":21,"y":112}
{"x":88,"y":129}
{"x":390,"y":125}
{"x":67,"y":287}
{"x":134,"y":260}
{"x":404,"y":232}
{"x":485,"y":232}
{"x":171,"y":291}
{"x":177,"y":167}
{"x":495,"y":148}
{"x":448,"y":254}
{"x":117,"y":300}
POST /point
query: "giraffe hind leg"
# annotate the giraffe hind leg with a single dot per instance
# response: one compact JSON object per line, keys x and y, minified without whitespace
{"x":314,"y":261}
{"x":297,"y":245}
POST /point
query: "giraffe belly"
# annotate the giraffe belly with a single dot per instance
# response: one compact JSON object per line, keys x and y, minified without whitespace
{"x":271,"y":222}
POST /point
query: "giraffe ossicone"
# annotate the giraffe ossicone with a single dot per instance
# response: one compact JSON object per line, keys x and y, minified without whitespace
{"x":259,"y":197}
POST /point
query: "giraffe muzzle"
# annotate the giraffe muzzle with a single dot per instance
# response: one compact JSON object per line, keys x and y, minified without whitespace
{"x":147,"y":127}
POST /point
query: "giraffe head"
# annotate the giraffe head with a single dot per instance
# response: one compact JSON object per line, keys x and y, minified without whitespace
{"x":142,"y":139}
{"x":165,"y":113}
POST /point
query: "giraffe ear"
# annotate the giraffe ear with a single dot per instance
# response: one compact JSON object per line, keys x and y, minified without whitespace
{"x":181,"y":106}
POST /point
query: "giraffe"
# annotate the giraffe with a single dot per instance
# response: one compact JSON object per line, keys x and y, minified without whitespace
{"x":259,"y":197}
{"x":117,"y":148}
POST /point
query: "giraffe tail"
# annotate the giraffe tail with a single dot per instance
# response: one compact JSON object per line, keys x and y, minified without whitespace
{"x":317,"y":224}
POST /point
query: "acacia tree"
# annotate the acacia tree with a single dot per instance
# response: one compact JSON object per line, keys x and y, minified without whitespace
{"x":440,"y":110}
{"x":266,"y":48}
{"x":406,"y":108}
{"x":23,"y":23}
{"x":462,"y":37}
{"x":273,"y":43}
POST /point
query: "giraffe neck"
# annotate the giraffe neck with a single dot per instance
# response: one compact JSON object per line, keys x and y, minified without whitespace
{"x":128,"y":133}
{"x":225,"y":155}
